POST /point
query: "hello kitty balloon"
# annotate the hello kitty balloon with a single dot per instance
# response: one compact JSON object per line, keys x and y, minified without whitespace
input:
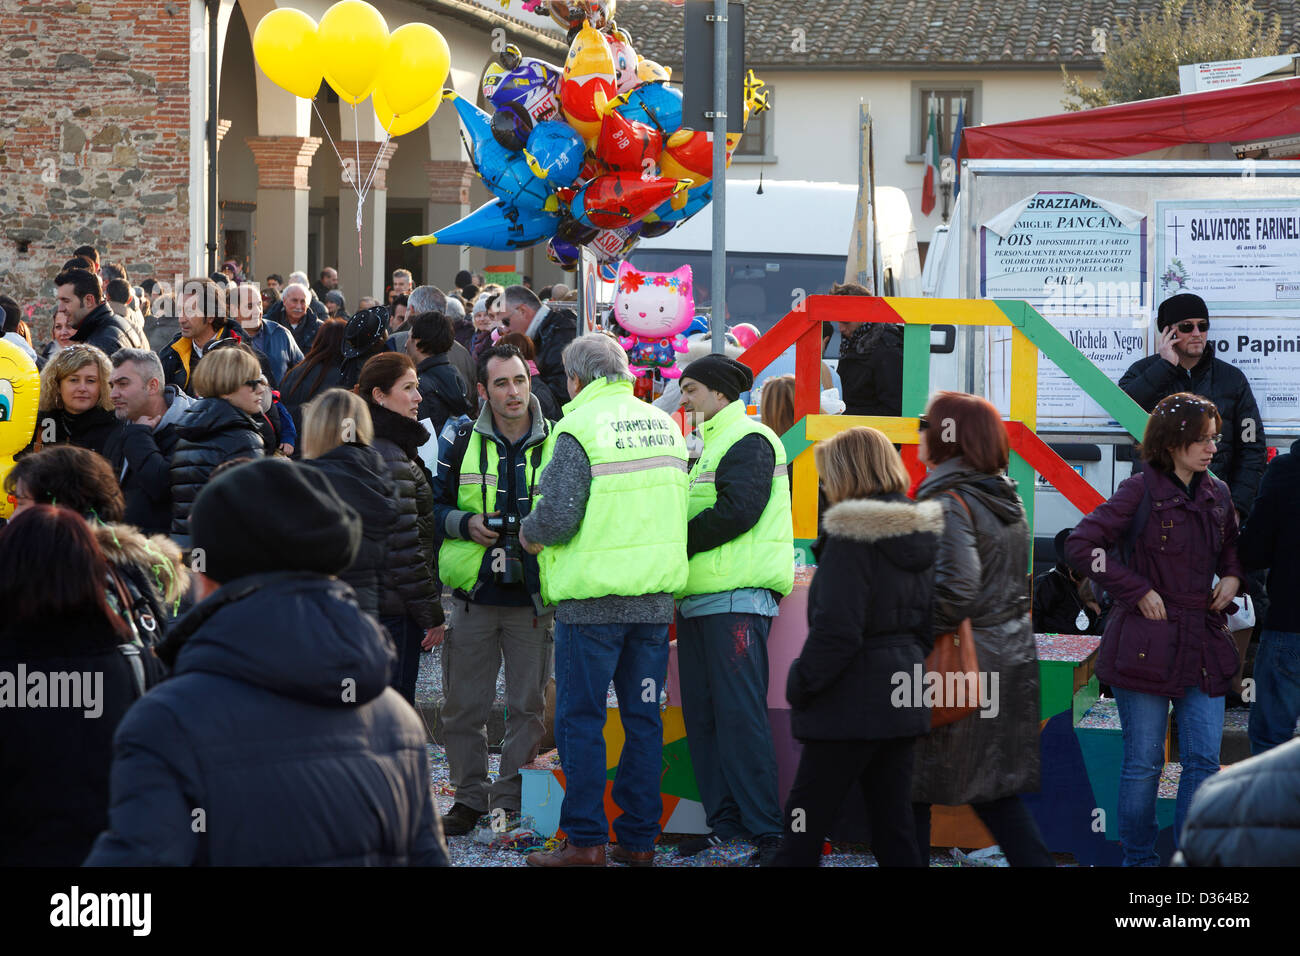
{"x":655,"y":308}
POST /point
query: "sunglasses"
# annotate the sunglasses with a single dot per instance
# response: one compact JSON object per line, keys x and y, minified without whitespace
{"x":1186,"y":328}
{"x":255,"y":383}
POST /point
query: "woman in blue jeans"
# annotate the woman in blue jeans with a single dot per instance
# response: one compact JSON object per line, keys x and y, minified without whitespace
{"x":1156,"y":546}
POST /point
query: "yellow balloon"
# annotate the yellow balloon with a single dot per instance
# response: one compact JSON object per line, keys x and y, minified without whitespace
{"x":400,"y":125}
{"x":284,"y":45}
{"x":414,"y":68}
{"x":20,"y":391}
{"x":352,"y":39}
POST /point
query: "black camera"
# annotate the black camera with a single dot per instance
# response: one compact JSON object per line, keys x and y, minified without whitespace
{"x":507,"y":554}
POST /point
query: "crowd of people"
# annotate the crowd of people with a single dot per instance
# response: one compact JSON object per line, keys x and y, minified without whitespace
{"x":264,"y":520}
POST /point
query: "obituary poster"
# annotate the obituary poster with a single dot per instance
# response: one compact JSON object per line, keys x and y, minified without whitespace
{"x":1268,"y":352}
{"x":1241,"y":257}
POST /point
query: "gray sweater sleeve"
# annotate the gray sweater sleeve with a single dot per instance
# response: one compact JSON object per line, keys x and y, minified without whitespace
{"x":564,"y":489}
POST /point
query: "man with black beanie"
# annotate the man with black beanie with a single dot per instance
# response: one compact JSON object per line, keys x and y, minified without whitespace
{"x":740,"y":546}
{"x":277,"y":741}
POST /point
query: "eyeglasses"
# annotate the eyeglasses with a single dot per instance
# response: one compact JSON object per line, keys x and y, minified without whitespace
{"x":1186,"y":328}
{"x":1212,"y":440}
{"x":255,"y":384}
{"x":922,"y":423}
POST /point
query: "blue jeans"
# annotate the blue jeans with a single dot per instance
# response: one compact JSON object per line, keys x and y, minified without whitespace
{"x":1276,"y":706}
{"x":407,"y":636}
{"x":587,"y":657}
{"x":1143,"y":719}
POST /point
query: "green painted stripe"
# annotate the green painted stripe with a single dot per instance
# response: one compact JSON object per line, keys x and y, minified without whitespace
{"x":916,"y":369}
{"x":795,"y":441}
{"x":1055,"y":346}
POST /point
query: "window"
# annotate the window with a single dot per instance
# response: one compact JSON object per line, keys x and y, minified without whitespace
{"x":947,"y":101}
{"x":756,"y":145}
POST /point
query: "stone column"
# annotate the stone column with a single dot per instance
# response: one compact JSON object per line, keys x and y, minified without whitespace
{"x":367,"y":277}
{"x":280,"y":223}
{"x":449,"y":182}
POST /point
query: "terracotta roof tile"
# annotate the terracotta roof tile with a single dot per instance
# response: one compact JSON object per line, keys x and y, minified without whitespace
{"x":942,"y":33}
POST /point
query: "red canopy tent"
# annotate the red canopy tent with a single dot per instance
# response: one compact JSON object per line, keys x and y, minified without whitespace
{"x":1240,"y":114}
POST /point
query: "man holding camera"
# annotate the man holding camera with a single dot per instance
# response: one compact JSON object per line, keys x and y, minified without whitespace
{"x":488,"y":472}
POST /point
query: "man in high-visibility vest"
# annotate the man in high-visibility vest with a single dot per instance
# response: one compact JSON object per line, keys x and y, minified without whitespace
{"x":610,"y":529}
{"x":741,"y":548}
{"x":488,"y":475}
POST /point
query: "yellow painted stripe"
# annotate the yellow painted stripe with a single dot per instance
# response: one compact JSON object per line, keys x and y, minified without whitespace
{"x":1024,"y":379}
{"x":948,"y":311}
{"x":804,"y":508}
{"x":901,"y":431}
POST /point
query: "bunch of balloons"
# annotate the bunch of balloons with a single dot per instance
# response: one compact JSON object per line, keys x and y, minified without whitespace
{"x":592,"y":154}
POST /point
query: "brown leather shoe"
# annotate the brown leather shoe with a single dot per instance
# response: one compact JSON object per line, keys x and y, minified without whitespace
{"x":632,"y":858}
{"x":566,"y":854}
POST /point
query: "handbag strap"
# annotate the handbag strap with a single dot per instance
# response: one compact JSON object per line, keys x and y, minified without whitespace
{"x":962,"y":501}
{"x":132,"y":654}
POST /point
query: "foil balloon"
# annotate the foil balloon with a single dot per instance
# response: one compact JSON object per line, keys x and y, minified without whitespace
{"x":654,"y":104}
{"x":516,"y":177}
{"x":563,"y":254}
{"x":648,"y":71}
{"x":610,"y":245}
{"x":620,"y":199}
{"x":625,"y":61}
{"x":496,"y":225}
{"x":555,"y":153}
{"x":745,"y":334}
{"x":655,"y":308}
{"x":588,"y":83}
{"x":571,"y":14}
{"x":688,"y":154}
{"x":679,"y":209}
{"x":20,"y":390}
{"x":653,"y":230}
{"x":524,"y":90}
{"x":627,"y":146}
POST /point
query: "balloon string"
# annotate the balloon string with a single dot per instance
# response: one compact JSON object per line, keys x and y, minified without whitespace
{"x":374,"y":167}
{"x":332,"y":144}
{"x":356,"y":130}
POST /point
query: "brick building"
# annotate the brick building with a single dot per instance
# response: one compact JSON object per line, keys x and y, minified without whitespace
{"x":104,"y":139}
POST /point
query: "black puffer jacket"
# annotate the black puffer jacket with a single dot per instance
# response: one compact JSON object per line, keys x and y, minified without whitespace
{"x":55,"y":761}
{"x":388,"y":571}
{"x":213,"y":431}
{"x":94,"y":428}
{"x":106,"y":331}
{"x":1238,"y":462}
{"x":1247,"y":815}
{"x":442,"y":391}
{"x":871,"y":370}
{"x":397,"y":439}
{"x":295,"y":748}
{"x":559,"y":327}
{"x":868,"y":619}
{"x":1269,"y":536}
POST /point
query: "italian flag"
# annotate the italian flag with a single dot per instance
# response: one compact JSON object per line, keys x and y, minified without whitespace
{"x":931,"y":164}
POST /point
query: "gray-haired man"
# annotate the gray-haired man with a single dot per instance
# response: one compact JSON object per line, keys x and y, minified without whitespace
{"x":141,"y":452}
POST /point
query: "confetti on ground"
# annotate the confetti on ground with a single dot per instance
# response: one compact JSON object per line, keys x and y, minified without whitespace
{"x":1103,"y":715}
{"x":1066,"y":647}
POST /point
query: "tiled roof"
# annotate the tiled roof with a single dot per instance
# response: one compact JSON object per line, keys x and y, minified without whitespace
{"x":925,"y":33}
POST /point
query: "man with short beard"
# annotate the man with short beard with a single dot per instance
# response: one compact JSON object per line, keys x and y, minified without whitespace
{"x":141,"y":451}
{"x":301,"y":321}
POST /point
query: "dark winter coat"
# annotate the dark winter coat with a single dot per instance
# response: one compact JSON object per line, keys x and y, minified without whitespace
{"x":153,"y":571}
{"x":1186,"y":541}
{"x":559,"y":327}
{"x":211,"y":432}
{"x":378,"y":576}
{"x":305,"y":332}
{"x":980,"y":573}
{"x":141,"y":459}
{"x":1057,"y":604}
{"x":178,"y":359}
{"x":279,"y":725}
{"x":398,"y":439}
{"x":107,"y":331}
{"x":1240,"y":463}
{"x":93,"y":429}
{"x":1247,"y":814}
{"x":280,"y":348}
{"x":160,"y":330}
{"x":1268,"y":540}
{"x":868,"y":620}
{"x":55,"y":761}
{"x":468,"y":367}
{"x":463,"y":329}
{"x":442,"y":391}
{"x":871,"y":370}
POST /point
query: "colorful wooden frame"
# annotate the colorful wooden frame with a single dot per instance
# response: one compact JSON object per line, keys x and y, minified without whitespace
{"x":1031,"y":334}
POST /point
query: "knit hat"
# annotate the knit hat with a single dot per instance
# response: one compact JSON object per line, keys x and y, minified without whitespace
{"x":268,"y":515}
{"x":722,"y":374}
{"x":1180,"y":308}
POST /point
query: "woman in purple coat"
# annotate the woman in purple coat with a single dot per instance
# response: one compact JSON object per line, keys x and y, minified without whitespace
{"x":1156,"y":546}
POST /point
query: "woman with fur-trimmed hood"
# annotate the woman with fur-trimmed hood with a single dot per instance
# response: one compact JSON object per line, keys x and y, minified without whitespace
{"x":868,"y":622}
